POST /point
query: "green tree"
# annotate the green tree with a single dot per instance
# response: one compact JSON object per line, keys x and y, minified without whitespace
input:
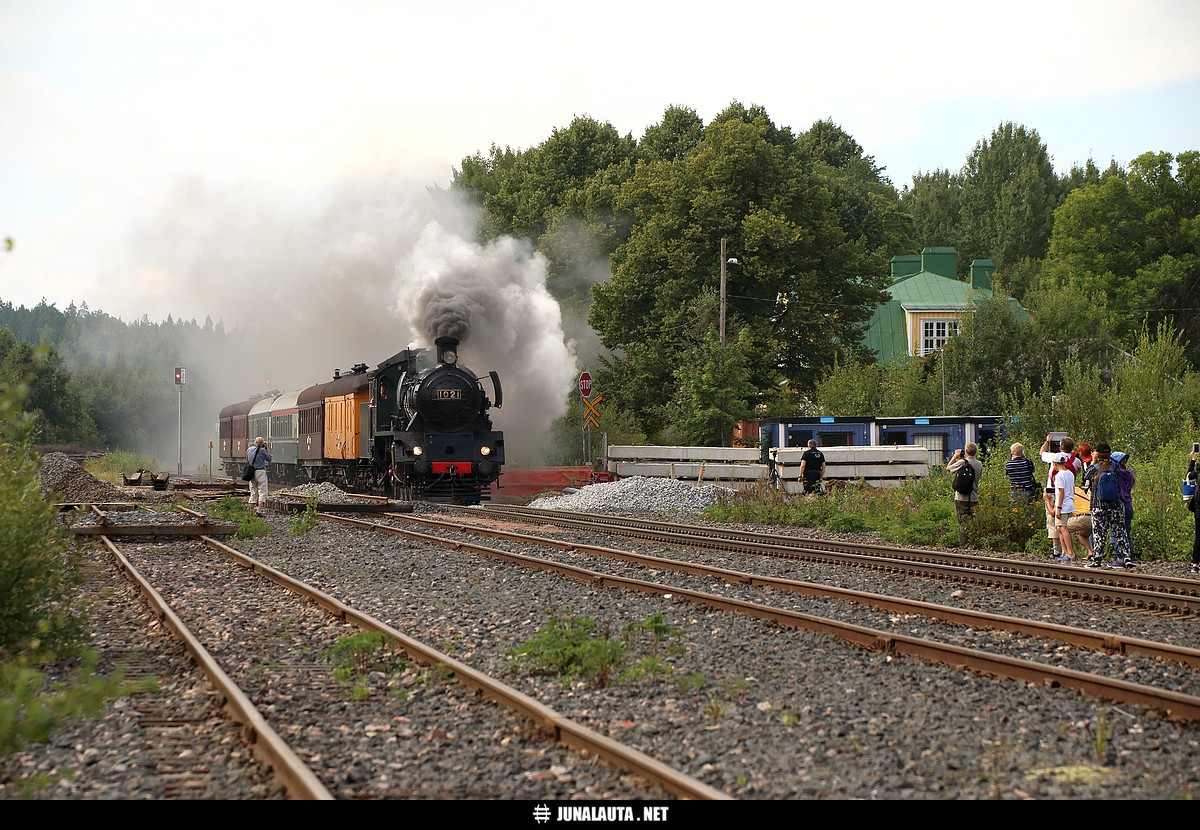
{"x":850,"y":388}
{"x":796,"y":290}
{"x":912,"y":388}
{"x":675,"y":137}
{"x":1134,"y":241}
{"x":51,"y":395}
{"x":1154,"y":398}
{"x":979,"y":368}
{"x":867,"y":203}
{"x":712,"y":391}
{"x":934,"y":205}
{"x":1068,"y":323}
{"x":1009,"y":194}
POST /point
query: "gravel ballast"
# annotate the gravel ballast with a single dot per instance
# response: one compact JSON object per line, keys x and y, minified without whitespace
{"x":756,"y":710}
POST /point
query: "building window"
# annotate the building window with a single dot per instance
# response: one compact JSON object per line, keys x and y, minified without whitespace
{"x":936,"y":332}
{"x":935,"y":445}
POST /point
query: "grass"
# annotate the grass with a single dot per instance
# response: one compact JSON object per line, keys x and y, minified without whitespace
{"x":920,"y":511}
{"x":112,"y":465}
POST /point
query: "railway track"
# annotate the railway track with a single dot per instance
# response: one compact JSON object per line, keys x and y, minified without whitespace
{"x":264,"y":652}
{"x":1181,"y":700}
{"x":757,"y":707}
{"x":1131,"y":589}
{"x":1062,"y":665}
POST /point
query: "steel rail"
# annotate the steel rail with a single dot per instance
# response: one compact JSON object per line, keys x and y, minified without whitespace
{"x":264,"y":742}
{"x":1174,"y":595}
{"x":562,"y":729}
{"x":1173,"y":705}
{"x":1080,"y":637}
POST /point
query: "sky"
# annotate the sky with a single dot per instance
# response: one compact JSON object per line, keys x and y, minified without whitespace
{"x":269,"y":165}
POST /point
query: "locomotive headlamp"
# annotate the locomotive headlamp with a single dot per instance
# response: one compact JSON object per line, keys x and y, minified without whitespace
{"x":485,"y":450}
{"x":418,"y":450}
{"x":450,"y":356}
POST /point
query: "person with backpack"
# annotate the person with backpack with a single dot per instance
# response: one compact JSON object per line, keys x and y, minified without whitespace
{"x":966,"y":471}
{"x":1108,"y":509}
{"x":1128,"y":480}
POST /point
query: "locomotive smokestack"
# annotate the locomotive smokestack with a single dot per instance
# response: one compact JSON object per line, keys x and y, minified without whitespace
{"x":446,"y":345}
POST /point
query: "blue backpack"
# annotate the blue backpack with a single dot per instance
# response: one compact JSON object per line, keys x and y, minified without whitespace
{"x":1108,"y":486}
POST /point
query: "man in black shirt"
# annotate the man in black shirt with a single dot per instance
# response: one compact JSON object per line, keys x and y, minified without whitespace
{"x":812,"y":467}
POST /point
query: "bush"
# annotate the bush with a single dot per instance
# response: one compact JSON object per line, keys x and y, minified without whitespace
{"x":38,"y":575}
{"x":29,"y":711}
{"x":41,"y":621}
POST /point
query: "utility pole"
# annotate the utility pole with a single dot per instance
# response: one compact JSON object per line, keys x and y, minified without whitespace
{"x":722,"y":291}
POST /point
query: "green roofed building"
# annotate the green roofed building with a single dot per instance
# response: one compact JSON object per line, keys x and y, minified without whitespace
{"x":927,"y":305}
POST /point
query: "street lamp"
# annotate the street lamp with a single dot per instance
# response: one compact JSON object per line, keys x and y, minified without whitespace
{"x":724,"y":262}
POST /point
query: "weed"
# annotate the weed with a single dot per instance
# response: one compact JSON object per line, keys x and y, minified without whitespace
{"x":112,"y":465}
{"x":28,"y":712}
{"x":259,"y":669}
{"x":570,"y":648}
{"x":354,"y":659}
{"x":691,"y":682}
{"x":1102,"y":734}
{"x":304,"y":522}
{"x":646,"y":667}
{"x":714,"y":709}
{"x":736,"y":688}
{"x":996,"y":755}
{"x":654,"y":628}
{"x":233,"y":510}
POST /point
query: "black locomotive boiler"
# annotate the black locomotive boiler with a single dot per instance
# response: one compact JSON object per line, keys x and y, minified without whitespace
{"x":415,"y":427}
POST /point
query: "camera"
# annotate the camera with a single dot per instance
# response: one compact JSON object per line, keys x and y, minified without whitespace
{"x":1055,"y":441}
{"x":1195,"y":447}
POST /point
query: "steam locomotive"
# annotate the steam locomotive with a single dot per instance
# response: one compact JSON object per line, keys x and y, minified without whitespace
{"x":415,"y":427}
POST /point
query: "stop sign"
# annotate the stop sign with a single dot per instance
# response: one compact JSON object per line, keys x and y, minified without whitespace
{"x":585,"y":384}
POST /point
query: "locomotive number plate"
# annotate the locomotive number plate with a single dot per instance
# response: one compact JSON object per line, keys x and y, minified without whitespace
{"x":448,"y":394}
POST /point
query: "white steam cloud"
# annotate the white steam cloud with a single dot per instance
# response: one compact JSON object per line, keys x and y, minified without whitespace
{"x":317,"y":283}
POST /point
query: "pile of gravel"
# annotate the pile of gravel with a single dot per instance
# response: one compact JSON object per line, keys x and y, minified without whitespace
{"x":324,"y":493}
{"x":638,"y":495}
{"x":75,"y":485}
